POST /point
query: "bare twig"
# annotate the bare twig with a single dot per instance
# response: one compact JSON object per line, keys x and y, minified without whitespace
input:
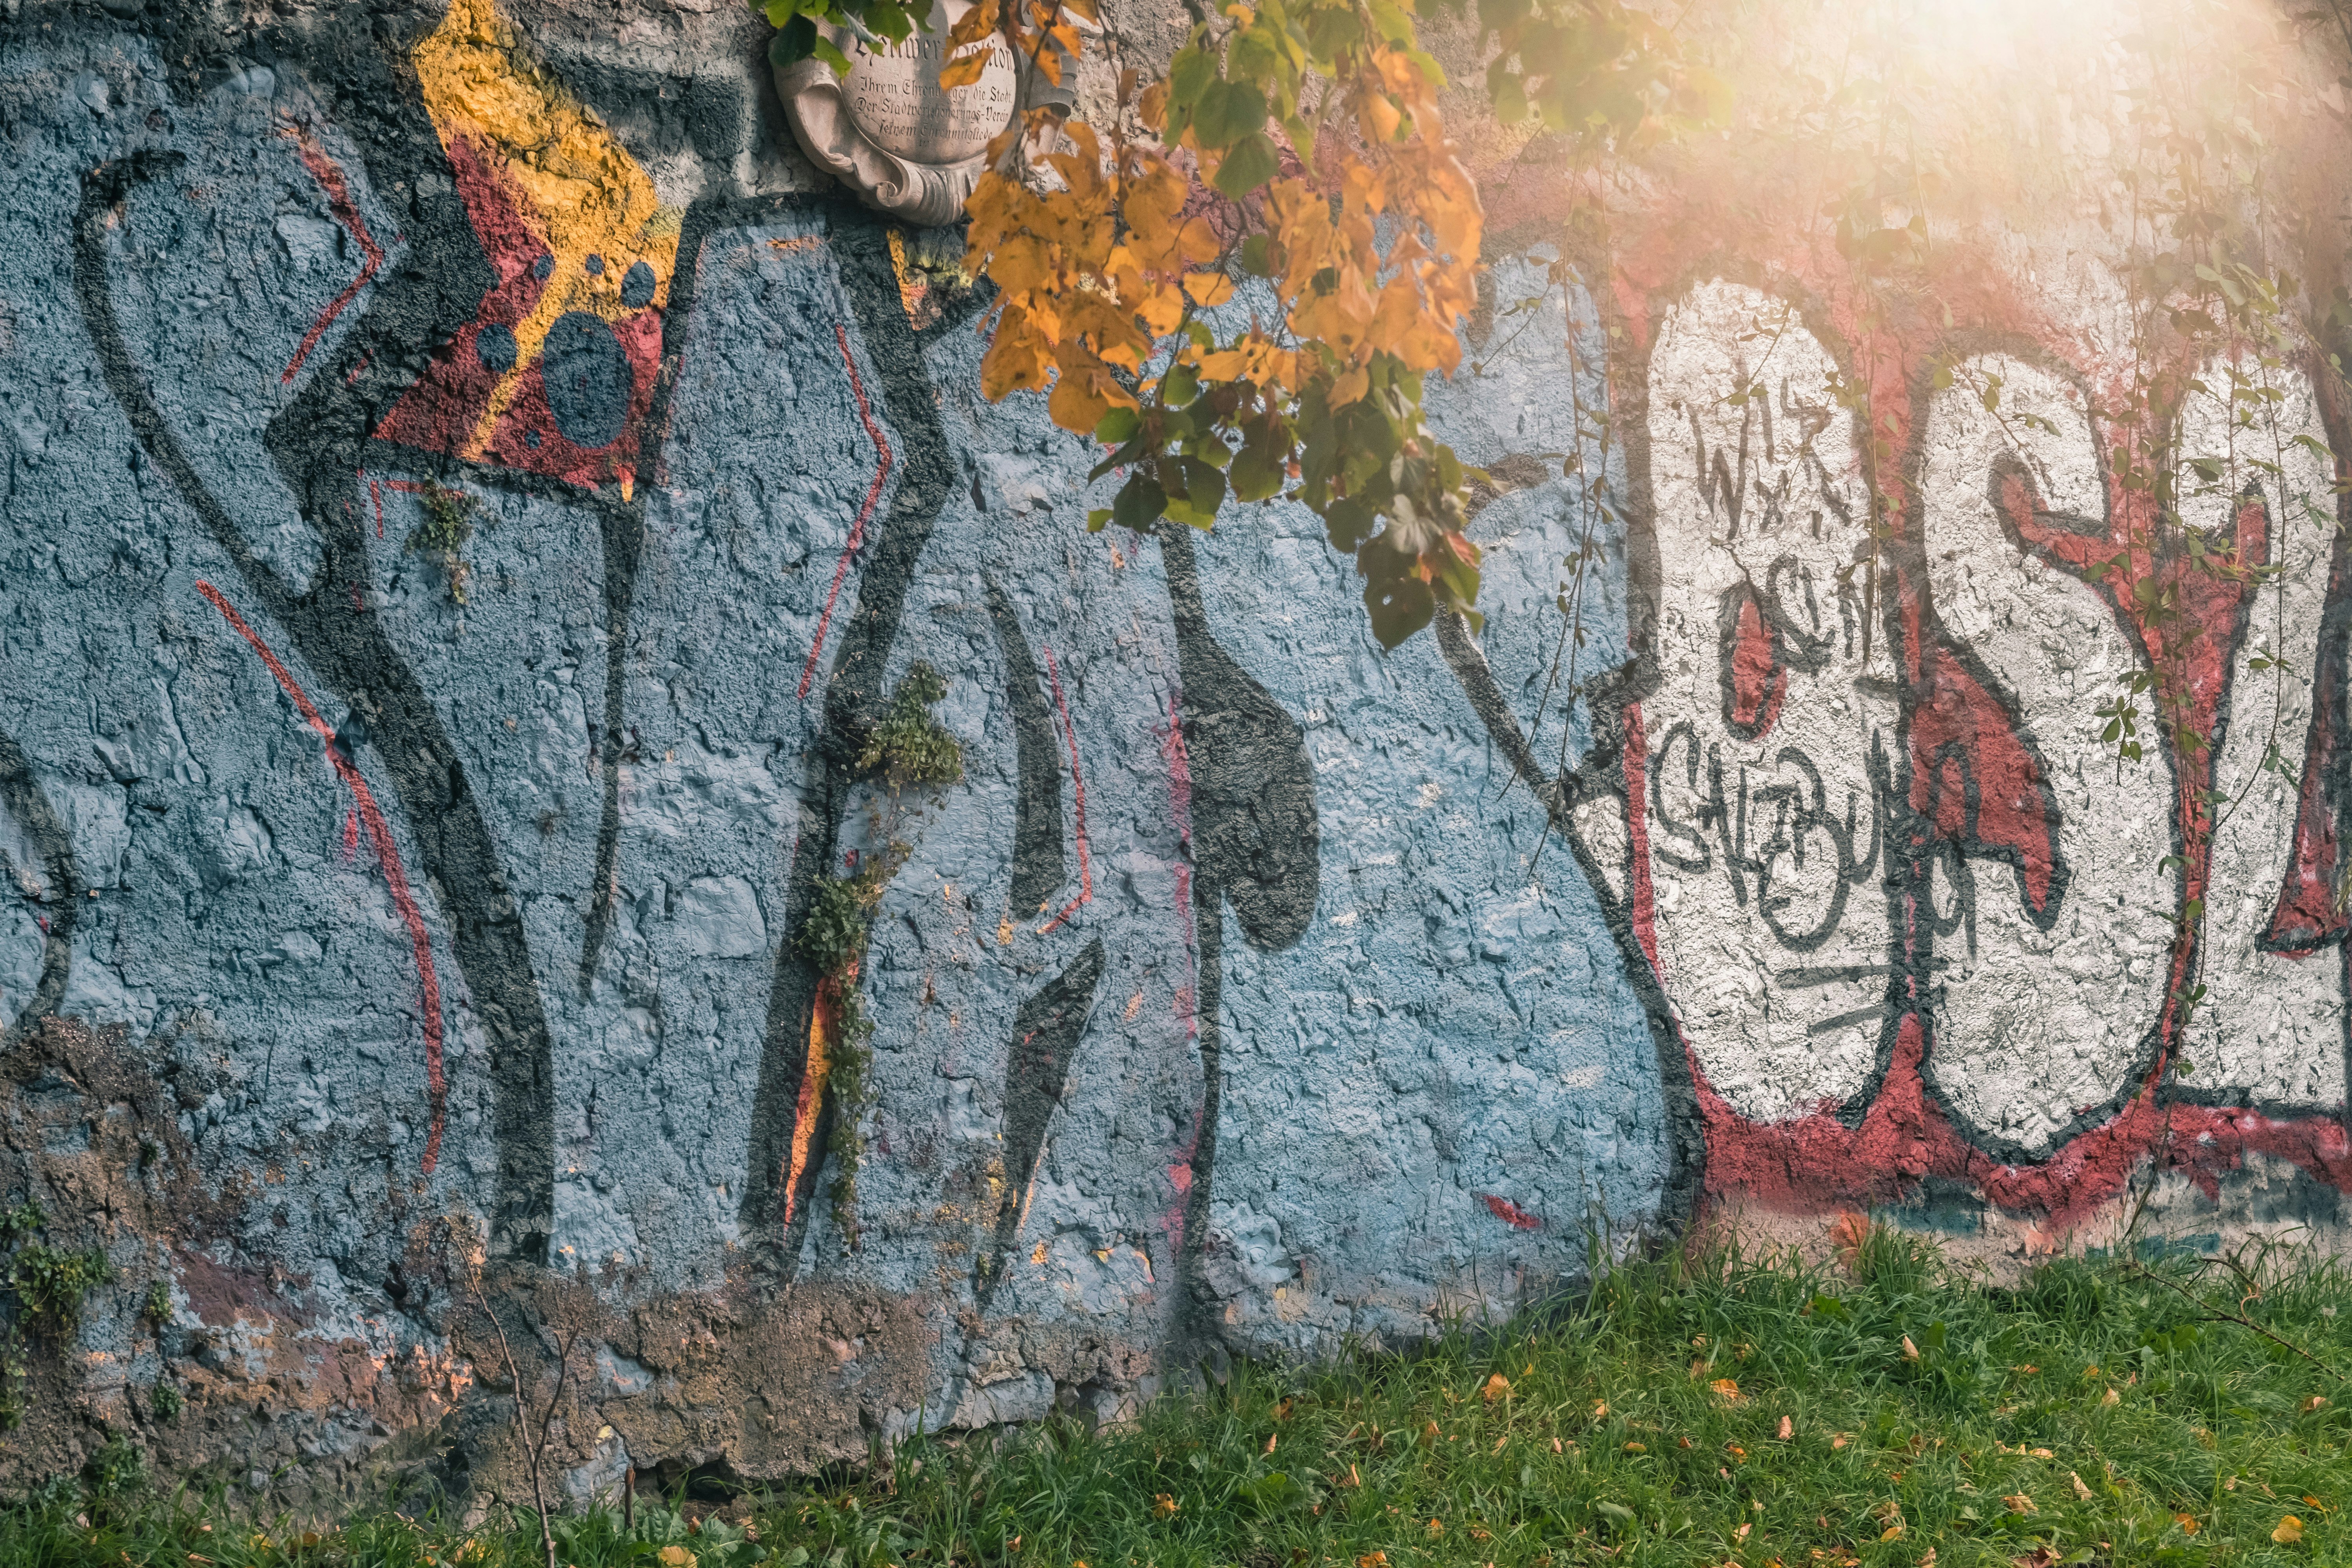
{"x":2214,"y":1315}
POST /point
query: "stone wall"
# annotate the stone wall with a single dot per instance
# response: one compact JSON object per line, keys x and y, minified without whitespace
{"x":392,"y":948}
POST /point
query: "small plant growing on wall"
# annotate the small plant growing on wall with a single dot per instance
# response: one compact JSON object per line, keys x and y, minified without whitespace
{"x":449,"y":524}
{"x":50,"y":1283}
{"x":905,"y":749}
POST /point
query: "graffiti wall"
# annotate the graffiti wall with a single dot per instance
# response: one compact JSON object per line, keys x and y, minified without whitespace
{"x":469,"y":491}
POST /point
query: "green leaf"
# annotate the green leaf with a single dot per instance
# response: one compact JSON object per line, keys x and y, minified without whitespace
{"x":1251,"y":163}
{"x":1401,"y":607}
{"x":1180,"y":387}
{"x":1097,"y":519}
{"x":1255,"y":262}
{"x":1227,"y":111}
{"x":1118,"y":427}
{"x":1140,"y":503}
{"x":822,"y":48}
{"x":1204,"y":492}
{"x":794,"y":43}
{"x":1257,"y":470}
{"x":1188,"y":74}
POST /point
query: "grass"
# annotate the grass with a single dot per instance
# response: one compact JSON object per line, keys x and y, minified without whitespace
{"x":1882,"y":1412}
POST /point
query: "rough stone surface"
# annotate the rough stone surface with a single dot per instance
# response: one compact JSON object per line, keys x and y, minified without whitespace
{"x":387,"y":948}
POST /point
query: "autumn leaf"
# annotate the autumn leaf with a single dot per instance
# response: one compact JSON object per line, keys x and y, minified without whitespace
{"x":1496,"y":1386}
{"x":2020,"y":1503}
{"x":2289,"y":1531}
{"x":1164,"y":1506}
{"x":674,"y":1557}
{"x":1207,"y":288}
{"x":1726,"y":1388}
{"x":1788,"y":1429}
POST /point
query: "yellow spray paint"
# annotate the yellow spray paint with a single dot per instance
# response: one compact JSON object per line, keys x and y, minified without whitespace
{"x":567,"y":174}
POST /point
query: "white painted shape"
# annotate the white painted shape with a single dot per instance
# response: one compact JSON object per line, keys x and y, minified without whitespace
{"x":2271,"y":1028}
{"x":2034,"y":1027}
{"x":1774,"y":1049}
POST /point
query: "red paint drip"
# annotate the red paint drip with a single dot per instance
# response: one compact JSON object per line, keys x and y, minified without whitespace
{"x":1637,"y":829}
{"x":350,"y":834}
{"x":387,"y":856}
{"x":858,"y":529}
{"x":1759,"y":677}
{"x":1078,"y":791}
{"x":347,"y":212}
{"x":375,"y":494}
{"x":1509,"y":1213}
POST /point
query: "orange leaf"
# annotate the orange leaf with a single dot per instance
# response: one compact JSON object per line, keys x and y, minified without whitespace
{"x":964,"y":69}
{"x":1207,"y":288}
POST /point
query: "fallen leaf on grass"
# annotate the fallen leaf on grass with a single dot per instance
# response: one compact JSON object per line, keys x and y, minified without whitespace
{"x":1374,"y":1560}
{"x":1928,"y":1561}
{"x":674,"y":1557}
{"x":2187,"y":1522}
{"x":2080,"y":1489}
{"x":1892,"y":1532}
{"x":1725,"y":1387}
{"x":1840,"y":1439}
{"x":1742,"y":1531}
{"x":2111,"y":1397}
{"x":1637,"y":1449}
{"x":1269,"y":1442}
{"x":1498,"y":1387}
{"x":1910,"y":1350}
{"x":2314,"y":1402}
{"x":1788,"y":1429}
{"x":2018,"y":1503}
{"x":1555,"y":1446}
{"x":2040,"y":1557}
{"x":1165,"y":1506}
{"x":1436,"y":1527}
{"x":1600,"y":1408}
{"x":2289,"y":1531}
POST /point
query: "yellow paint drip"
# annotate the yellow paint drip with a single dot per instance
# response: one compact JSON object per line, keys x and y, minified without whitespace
{"x":811,"y":1097}
{"x":569,"y":176}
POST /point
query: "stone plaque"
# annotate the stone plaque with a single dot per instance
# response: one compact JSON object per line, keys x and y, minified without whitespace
{"x":895,"y":98}
{"x":891,"y":133}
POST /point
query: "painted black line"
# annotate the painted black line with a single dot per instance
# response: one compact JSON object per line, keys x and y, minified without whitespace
{"x":1039,"y":866}
{"x":1045,"y":1034}
{"x":1797,"y":979}
{"x":854,"y":696}
{"x":1878,"y":1010}
{"x":316,"y":442}
{"x":21,"y":794}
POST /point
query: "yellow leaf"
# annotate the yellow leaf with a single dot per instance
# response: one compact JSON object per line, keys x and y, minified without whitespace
{"x":1892,"y":1532}
{"x":1637,"y":1447}
{"x":2187,"y":1522}
{"x":1600,"y":1408}
{"x":2018,"y":1503}
{"x":1207,"y":288}
{"x":1496,"y":1386}
{"x":1910,"y":1350}
{"x":674,"y":1557}
{"x":1436,"y":1528}
{"x":972,"y":26}
{"x":2111,"y":1397}
{"x":1725,"y":1387}
{"x":2289,"y":1531}
{"x":1164,"y":1506}
{"x":1374,"y":1560}
{"x":1152,"y":107}
{"x":2080,"y":1489}
{"x":964,"y":69}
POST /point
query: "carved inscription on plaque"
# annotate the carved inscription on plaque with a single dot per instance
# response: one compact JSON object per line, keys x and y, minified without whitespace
{"x":894,"y":97}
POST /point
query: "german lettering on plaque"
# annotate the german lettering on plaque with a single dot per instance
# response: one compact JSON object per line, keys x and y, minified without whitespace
{"x":890,"y":133}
